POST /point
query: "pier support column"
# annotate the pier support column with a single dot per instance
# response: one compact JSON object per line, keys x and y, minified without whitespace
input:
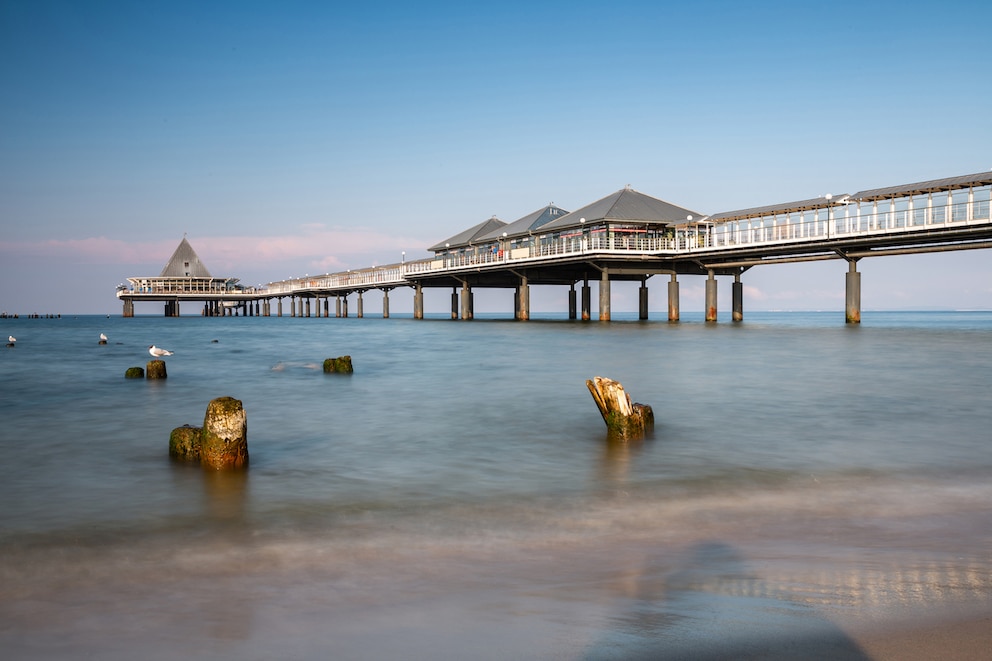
{"x":642,"y":299}
{"x":454,"y":302}
{"x":673,"y":298}
{"x":128,"y":308}
{"x":586,"y":301}
{"x":344,"y":306}
{"x":308,"y":309}
{"x":711,"y":297}
{"x":385,"y":304}
{"x":327,"y":307}
{"x":418,"y":301}
{"x":466,"y":301}
{"x":738,"y":302}
{"x":292,"y":306}
{"x":279,"y":306}
{"x":572,"y":307}
{"x":852,"y":307}
{"x":604,"y":296}
{"x":523,"y":299}
{"x":361,"y":305}
{"x":337,"y":306}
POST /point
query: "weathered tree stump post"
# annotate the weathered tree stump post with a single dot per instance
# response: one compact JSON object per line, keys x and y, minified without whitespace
{"x":134,"y":373}
{"x":184,"y":443}
{"x":155,"y":369}
{"x":224,"y":439}
{"x":624,"y":421}
{"x":339,"y":365}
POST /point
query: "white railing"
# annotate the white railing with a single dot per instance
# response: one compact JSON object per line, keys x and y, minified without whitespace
{"x":836,"y":222}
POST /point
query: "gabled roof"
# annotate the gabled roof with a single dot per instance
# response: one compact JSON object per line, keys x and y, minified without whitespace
{"x":527,"y":224}
{"x":625,"y":205}
{"x":185,"y":263}
{"x":469,"y":236}
{"x":784,"y":207}
{"x":934,"y":185}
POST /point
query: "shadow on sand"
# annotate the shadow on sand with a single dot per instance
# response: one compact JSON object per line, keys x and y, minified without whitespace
{"x":709,"y":605}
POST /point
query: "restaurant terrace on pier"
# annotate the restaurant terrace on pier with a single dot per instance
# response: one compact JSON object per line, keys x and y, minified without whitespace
{"x":625,"y":236}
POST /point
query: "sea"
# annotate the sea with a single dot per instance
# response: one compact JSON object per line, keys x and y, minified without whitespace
{"x":457,"y":496}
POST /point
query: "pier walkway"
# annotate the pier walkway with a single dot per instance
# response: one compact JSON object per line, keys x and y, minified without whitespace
{"x":629,"y":236}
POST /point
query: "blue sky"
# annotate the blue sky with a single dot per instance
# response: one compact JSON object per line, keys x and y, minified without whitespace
{"x":287,"y":138}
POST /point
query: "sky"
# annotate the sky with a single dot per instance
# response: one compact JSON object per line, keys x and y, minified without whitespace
{"x":292,"y":138}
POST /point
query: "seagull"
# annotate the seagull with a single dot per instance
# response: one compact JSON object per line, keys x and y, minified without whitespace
{"x":155,"y":351}
{"x":11,"y":339}
{"x":103,"y":338}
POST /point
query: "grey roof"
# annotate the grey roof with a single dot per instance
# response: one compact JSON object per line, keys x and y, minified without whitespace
{"x":625,"y":205}
{"x":950,"y":183}
{"x":469,"y":236}
{"x":185,"y":263}
{"x":784,"y":207}
{"x":527,"y":224}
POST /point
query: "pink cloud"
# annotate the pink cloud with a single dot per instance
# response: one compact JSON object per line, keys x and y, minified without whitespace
{"x":315,"y":247}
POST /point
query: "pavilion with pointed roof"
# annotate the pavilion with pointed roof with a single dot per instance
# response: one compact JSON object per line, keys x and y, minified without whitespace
{"x":184,"y":276}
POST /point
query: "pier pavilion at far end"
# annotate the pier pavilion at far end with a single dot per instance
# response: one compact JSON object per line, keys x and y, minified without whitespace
{"x":185,"y":277}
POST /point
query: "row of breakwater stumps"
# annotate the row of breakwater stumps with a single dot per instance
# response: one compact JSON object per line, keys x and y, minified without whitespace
{"x":35,"y":315}
{"x":221,"y":443}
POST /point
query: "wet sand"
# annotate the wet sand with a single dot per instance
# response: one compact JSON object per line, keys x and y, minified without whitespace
{"x":963,"y":640}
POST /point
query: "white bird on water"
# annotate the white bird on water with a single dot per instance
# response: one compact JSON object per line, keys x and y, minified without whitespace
{"x":11,"y":339}
{"x":158,"y":353}
{"x":103,"y":337}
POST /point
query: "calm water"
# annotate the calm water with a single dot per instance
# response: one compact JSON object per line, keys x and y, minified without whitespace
{"x":456,"y":497}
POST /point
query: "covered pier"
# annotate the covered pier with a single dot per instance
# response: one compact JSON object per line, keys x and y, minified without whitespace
{"x":629,"y":236}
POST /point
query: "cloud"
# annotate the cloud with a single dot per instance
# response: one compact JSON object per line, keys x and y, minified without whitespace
{"x":314,"y":247}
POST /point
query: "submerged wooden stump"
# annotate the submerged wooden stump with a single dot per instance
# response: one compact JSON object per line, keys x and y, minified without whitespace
{"x":224,"y":439}
{"x":155,"y":369}
{"x":184,"y":443}
{"x":339,"y":365}
{"x":134,"y":373}
{"x":624,"y":420}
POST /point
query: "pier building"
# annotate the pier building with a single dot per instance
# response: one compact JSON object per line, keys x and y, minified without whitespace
{"x":630,"y":236}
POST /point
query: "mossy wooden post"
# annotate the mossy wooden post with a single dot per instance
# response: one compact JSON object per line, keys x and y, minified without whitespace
{"x":184,"y":443}
{"x":624,"y":421}
{"x":134,"y":373}
{"x":224,"y":439}
{"x":340,"y":365}
{"x":155,"y":369}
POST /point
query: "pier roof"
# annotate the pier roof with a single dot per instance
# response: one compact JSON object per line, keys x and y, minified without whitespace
{"x":185,"y":263}
{"x":783,"y":208}
{"x":469,"y":236}
{"x":626,"y":204}
{"x":932,"y":186}
{"x":527,"y":224}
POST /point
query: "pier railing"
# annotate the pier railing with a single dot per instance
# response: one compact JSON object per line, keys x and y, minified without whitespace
{"x":848,"y":219}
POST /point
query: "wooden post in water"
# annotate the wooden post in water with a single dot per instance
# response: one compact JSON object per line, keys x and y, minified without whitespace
{"x":224,"y":437}
{"x":624,"y":421}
